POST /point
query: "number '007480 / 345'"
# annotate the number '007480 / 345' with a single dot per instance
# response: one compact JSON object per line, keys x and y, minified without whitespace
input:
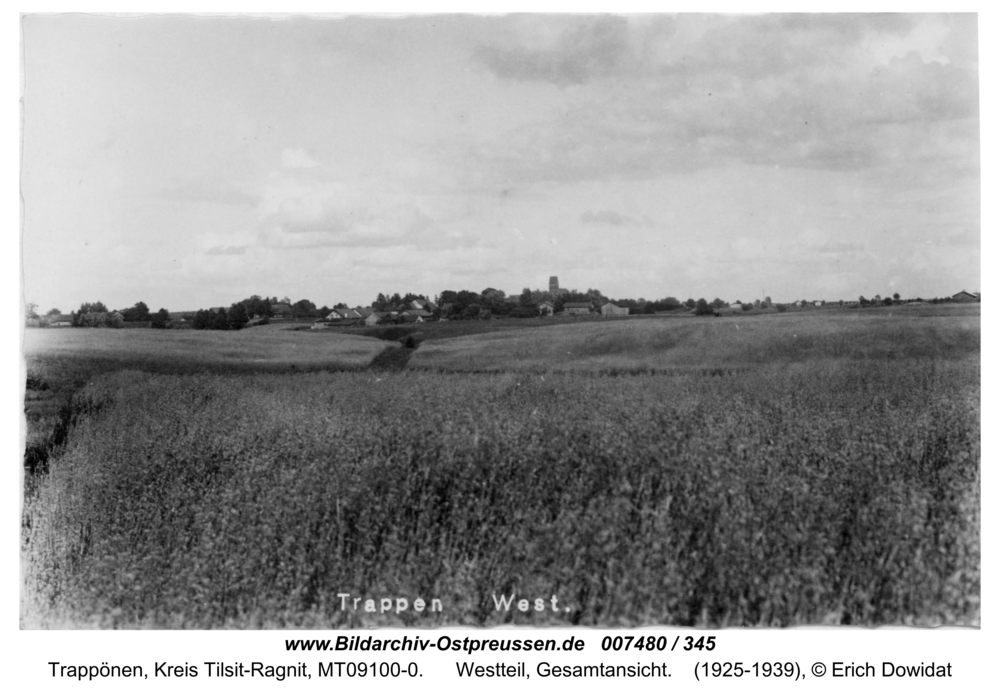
{"x":656,"y":643}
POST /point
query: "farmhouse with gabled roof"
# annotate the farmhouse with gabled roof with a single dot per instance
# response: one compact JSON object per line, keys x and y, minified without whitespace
{"x":610,"y":309}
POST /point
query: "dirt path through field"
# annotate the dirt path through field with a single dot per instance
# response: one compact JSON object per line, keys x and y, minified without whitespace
{"x":392,"y":359}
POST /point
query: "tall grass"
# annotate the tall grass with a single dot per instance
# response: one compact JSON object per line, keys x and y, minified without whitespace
{"x":732,"y":342}
{"x":838,"y":492}
{"x":191,"y":351}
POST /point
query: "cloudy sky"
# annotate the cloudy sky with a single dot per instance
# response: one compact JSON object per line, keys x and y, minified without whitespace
{"x":193,"y":161}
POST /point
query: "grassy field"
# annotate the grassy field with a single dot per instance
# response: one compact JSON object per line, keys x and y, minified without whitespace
{"x":61,"y":361}
{"x":446,"y":330}
{"x":719,"y":343}
{"x":791,"y":471}
{"x":262,"y":348}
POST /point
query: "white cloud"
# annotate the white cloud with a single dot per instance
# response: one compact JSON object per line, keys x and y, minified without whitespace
{"x":614,"y":218}
{"x":461,"y":152}
{"x":226,"y":251}
{"x":310,"y":211}
{"x":820,"y":92}
{"x":297,"y":159}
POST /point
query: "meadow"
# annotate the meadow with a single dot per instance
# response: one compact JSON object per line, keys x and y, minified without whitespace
{"x":265,"y":348}
{"x":791,"y":471}
{"x":61,"y":361}
{"x":731,"y":342}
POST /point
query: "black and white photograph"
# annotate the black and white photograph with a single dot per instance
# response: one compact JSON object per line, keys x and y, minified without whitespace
{"x":535,"y":320}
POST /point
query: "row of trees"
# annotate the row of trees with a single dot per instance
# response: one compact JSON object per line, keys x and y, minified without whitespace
{"x":394,"y":302}
{"x":221,"y":319}
{"x":451,"y":304}
{"x":96,"y":314}
{"x":258,"y":308}
{"x":494,"y":303}
{"x":878,"y":301}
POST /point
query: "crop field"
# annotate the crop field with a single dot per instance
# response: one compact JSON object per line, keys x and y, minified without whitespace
{"x":60,"y":361}
{"x":794,"y":470}
{"x":732,"y":342}
{"x":192,"y":351}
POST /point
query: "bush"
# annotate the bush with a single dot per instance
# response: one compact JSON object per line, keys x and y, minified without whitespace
{"x":398,"y":332}
{"x":523,"y":312}
{"x":703,"y":308}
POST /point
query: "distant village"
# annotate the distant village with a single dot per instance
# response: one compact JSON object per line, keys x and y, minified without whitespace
{"x":450,"y":305}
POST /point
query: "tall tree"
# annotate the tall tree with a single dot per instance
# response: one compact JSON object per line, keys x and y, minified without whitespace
{"x":494,"y":301}
{"x":139,"y":312}
{"x":161,"y":318}
{"x":465,"y":298}
{"x":303,"y":307}
{"x":237,"y":317}
{"x":257,"y":306}
{"x":220,"y":320}
{"x":702,"y":308}
{"x":525,"y":299}
{"x":93,"y":308}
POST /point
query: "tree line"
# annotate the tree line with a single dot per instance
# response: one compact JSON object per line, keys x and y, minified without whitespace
{"x":449,"y":304}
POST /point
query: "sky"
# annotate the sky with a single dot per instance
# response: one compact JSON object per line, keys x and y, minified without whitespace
{"x":193,"y":161}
